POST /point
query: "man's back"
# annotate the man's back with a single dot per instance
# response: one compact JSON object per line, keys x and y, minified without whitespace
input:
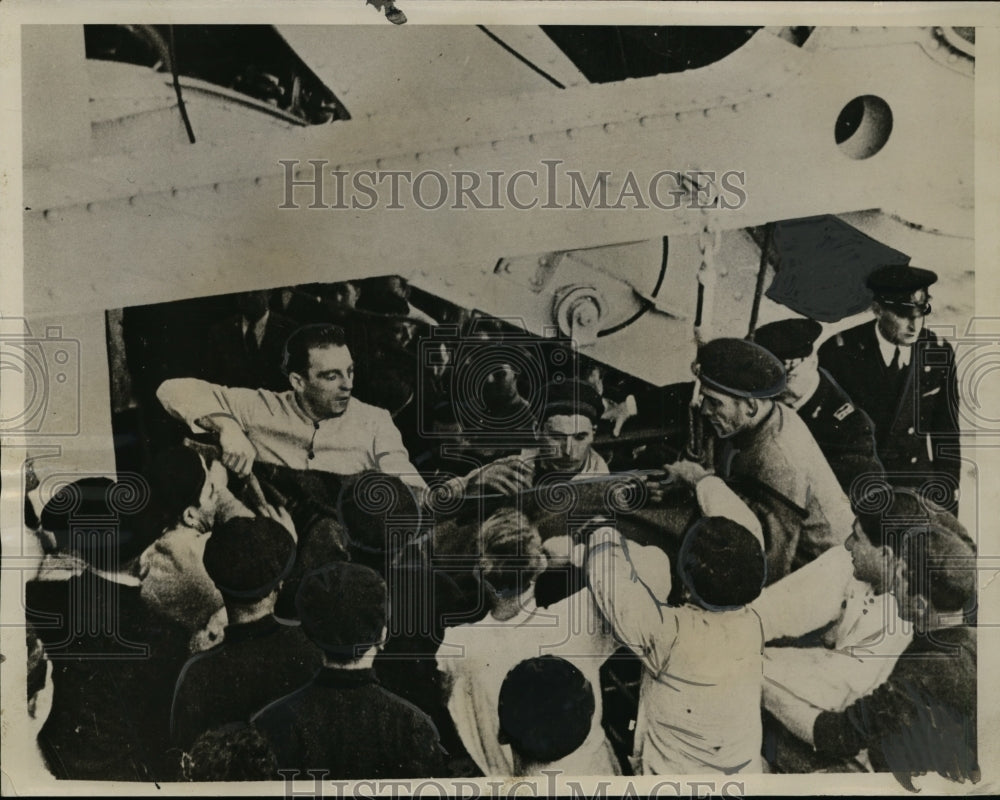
{"x":256,"y":663}
{"x":697,"y":714}
{"x":344,"y":722}
{"x":479,"y":655}
{"x":111,"y":688}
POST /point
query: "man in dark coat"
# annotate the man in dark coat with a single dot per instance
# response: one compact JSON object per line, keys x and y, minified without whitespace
{"x":903,"y":376}
{"x":113,"y":656}
{"x":343,"y":721}
{"x":246,"y":348}
{"x":843,"y":432}
{"x":259,"y":659}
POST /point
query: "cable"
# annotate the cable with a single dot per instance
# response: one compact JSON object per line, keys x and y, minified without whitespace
{"x":646,"y":304}
{"x":520,"y":58}
{"x":177,"y":88}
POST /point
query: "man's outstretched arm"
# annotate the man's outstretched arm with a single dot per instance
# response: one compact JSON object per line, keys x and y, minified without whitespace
{"x":207,"y":407}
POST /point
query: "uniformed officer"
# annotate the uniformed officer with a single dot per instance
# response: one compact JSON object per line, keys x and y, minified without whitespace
{"x":843,"y":432}
{"x":903,"y":376}
{"x":767,"y":455}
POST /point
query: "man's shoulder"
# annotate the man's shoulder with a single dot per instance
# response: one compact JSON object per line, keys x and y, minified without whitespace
{"x":285,"y":709}
{"x":835,"y":402}
{"x":415,"y":718}
{"x":847,"y":341}
{"x":930,"y":339}
{"x":359,"y":410}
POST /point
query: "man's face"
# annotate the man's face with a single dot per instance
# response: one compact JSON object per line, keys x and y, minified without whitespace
{"x":252,"y":305}
{"x":799,"y":376}
{"x":500,"y":384}
{"x":325,"y":389}
{"x":728,"y":415}
{"x":566,"y":440}
{"x":871,"y":564}
{"x":899,"y":328}
{"x":449,"y":433}
{"x":402,"y":332}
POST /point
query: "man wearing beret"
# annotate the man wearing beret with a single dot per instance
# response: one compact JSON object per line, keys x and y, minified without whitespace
{"x":259,"y":658}
{"x":767,"y":455}
{"x":342,"y":721}
{"x":843,"y":432}
{"x":903,"y":376}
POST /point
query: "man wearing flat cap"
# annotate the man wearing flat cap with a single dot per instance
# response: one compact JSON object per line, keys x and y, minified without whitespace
{"x":259,"y":658}
{"x":767,"y":455}
{"x":843,"y":432}
{"x":903,"y":376}
{"x":342,"y":721}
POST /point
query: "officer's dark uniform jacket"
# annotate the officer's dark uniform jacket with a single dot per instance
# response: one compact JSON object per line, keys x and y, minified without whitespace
{"x":843,"y":431}
{"x":916,"y":420}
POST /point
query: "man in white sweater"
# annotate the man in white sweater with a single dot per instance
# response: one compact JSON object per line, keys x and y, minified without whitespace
{"x":315,"y":425}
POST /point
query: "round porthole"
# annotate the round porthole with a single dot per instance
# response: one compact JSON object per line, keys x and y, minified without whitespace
{"x":863,"y":126}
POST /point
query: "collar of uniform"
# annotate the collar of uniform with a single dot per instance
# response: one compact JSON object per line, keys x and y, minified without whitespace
{"x":251,"y":630}
{"x":888,"y":349}
{"x":337,"y":678}
{"x":808,"y":395}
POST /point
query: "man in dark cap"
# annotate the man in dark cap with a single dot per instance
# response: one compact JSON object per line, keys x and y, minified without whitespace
{"x":903,"y":376}
{"x":565,"y":444}
{"x":767,"y":455}
{"x":699,"y":699}
{"x":259,"y":659}
{"x":843,"y":432}
{"x":923,"y":718}
{"x":342,"y":721}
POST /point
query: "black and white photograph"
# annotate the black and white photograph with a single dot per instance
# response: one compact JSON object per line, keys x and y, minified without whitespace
{"x":499,"y":399}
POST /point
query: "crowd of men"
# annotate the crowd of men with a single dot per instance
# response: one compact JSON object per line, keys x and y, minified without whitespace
{"x":382,"y":552}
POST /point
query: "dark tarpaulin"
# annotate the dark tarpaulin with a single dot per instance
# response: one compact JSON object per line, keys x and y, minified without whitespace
{"x":822,"y":264}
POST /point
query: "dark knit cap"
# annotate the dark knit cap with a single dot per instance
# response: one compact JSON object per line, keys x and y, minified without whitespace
{"x":572,"y":397}
{"x":789,"y":339}
{"x":546,"y":707}
{"x":740,"y":368}
{"x":247,"y":557}
{"x":343,"y":608}
{"x":722,"y":564}
{"x":84,"y":519}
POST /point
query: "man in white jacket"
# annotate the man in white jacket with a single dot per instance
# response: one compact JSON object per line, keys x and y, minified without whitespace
{"x":315,"y":425}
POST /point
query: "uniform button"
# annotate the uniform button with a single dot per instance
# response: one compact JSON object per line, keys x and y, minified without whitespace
{"x":913,"y":460}
{"x":910,"y":431}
